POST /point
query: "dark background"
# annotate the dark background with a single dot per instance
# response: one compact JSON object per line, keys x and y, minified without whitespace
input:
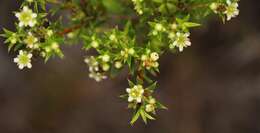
{"x":212,"y":87}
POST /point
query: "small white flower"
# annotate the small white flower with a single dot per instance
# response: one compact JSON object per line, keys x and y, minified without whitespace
{"x":23,"y":59}
{"x":30,"y":40}
{"x":135,"y":93}
{"x":154,"y":56}
{"x":181,"y":41}
{"x":26,"y":17}
{"x":232,"y":10}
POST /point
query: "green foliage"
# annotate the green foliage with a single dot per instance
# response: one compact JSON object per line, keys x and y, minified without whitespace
{"x":130,"y":34}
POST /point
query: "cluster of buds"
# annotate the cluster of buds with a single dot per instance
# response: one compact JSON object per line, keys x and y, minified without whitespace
{"x":94,"y":70}
{"x":150,"y":60}
{"x":32,"y":36}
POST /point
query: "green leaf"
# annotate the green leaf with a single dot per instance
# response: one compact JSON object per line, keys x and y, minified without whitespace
{"x":191,"y":25}
{"x":148,"y":116}
{"x":130,"y":83}
{"x":152,"y":87}
{"x":135,"y":117}
{"x":143,"y":115}
{"x":161,"y":106}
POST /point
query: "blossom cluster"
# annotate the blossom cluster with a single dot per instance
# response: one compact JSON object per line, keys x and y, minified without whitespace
{"x":117,"y":35}
{"x":34,"y":36}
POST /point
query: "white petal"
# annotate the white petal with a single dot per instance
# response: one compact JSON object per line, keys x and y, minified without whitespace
{"x":29,"y":65}
{"x":29,"y":55}
{"x":25,"y":8}
{"x":128,"y":90}
{"x":21,"y":24}
{"x":130,"y":99}
{"x":20,"y":52}
{"x":31,"y":23}
{"x":34,"y":15}
{"x":181,"y":48}
{"x":21,"y":66}
{"x":139,"y":100}
{"x":188,"y":43}
{"x":17,"y":15}
{"x":16,"y":60}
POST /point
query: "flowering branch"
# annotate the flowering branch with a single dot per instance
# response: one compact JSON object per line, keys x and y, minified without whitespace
{"x":141,"y":32}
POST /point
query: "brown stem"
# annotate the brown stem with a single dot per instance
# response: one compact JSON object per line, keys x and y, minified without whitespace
{"x":70,"y":29}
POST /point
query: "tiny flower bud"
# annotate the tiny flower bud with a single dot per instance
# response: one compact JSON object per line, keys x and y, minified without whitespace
{"x":118,"y":64}
{"x":105,"y":58}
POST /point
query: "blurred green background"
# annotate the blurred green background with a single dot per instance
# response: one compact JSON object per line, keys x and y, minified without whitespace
{"x":212,"y":87}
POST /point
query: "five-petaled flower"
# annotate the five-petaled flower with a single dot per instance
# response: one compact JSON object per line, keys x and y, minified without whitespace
{"x":23,"y":59}
{"x":135,"y":93}
{"x":232,"y":10}
{"x":26,"y":17}
{"x":31,"y":41}
{"x":181,"y":41}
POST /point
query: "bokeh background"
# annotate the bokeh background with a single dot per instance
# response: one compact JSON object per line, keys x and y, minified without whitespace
{"x":212,"y":87}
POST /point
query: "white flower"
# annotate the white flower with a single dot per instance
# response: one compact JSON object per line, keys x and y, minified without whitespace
{"x":232,"y":10}
{"x":181,"y":41}
{"x":23,"y":59}
{"x":135,"y":93}
{"x":30,"y":40}
{"x":26,"y":17}
{"x":154,"y":56}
